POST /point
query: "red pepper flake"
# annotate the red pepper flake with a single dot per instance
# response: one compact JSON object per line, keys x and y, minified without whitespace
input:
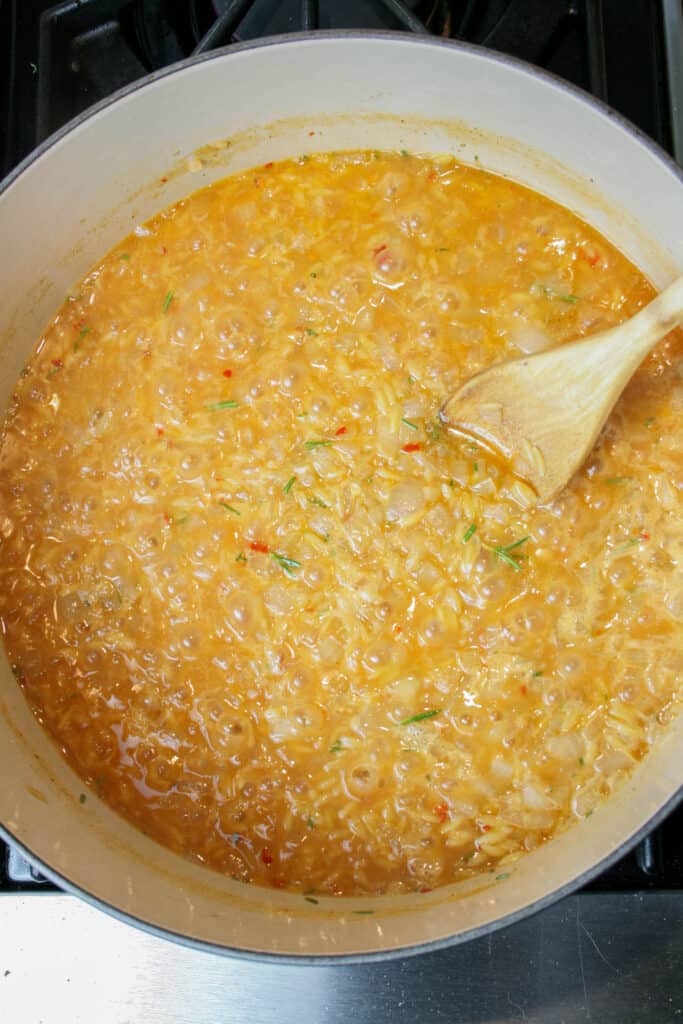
{"x":432,"y":176}
{"x":589,"y":255}
{"x":485,"y":828}
{"x":268,"y":165}
{"x":164,"y":180}
{"x":266,"y":855}
{"x":414,"y":446}
{"x":441,"y":811}
{"x":397,"y":629}
{"x":379,"y":249}
{"x":338,"y":433}
{"x":58,"y":363}
{"x":644,"y":535}
{"x":164,"y":250}
{"x":424,"y":888}
{"x":257,"y":545}
{"x":227,"y":373}
{"x":523,"y":690}
{"x":167,"y":518}
{"x":160,"y":431}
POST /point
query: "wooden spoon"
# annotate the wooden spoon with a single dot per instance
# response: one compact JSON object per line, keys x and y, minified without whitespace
{"x":543,"y":412}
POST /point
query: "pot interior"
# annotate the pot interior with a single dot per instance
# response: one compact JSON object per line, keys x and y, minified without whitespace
{"x":86,"y":189}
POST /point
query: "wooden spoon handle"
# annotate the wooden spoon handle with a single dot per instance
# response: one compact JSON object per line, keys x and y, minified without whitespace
{"x":650,"y":324}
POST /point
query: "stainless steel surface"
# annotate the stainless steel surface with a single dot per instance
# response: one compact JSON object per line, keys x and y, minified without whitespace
{"x":601,"y":958}
{"x":672,"y":12}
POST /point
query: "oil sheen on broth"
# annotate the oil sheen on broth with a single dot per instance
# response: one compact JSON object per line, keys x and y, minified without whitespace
{"x":269,"y":610}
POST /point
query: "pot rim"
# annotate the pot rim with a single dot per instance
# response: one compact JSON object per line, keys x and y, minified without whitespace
{"x":578,"y":881}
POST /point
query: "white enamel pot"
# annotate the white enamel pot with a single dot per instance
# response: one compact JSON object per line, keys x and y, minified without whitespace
{"x":82,"y":191}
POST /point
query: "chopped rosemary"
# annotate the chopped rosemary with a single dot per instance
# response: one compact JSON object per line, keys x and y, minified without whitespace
{"x":471,"y":530}
{"x":241,"y":557}
{"x":310,"y":445}
{"x":311,"y":332}
{"x":535,"y":675}
{"x":364,"y":912}
{"x":423,"y":715}
{"x":336,"y":747}
{"x":318,"y":501}
{"x":229,"y":403}
{"x":310,"y":824}
{"x":225,"y":505}
{"x":413,"y":426}
{"x":503,"y":552}
{"x":290,"y":483}
{"x":124,"y":256}
{"x":311,"y":899}
{"x":167,"y":301}
{"x":286,"y":563}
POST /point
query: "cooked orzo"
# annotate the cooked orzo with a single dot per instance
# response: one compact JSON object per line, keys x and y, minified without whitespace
{"x":268,"y":608}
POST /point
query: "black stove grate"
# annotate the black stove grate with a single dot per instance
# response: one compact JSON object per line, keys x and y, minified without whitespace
{"x":59,"y":59}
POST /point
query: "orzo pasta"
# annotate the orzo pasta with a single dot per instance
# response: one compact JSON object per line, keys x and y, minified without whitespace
{"x":270,"y":611}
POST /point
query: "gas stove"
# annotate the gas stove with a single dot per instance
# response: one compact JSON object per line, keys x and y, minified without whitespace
{"x":612,"y":952}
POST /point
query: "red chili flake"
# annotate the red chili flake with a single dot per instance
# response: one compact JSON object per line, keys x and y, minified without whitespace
{"x":424,"y":888}
{"x":432,"y":176}
{"x":167,"y":518}
{"x":414,"y":446}
{"x":644,"y":535}
{"x":441,"y":811}
{"x":342,"y":430}
{"x":268,"y":165}
{"x":485,"y":828}
{"x":266,"y":855}
{"x":591,"y":257}
{"x":397,"y":629}
{"x":279,"y":883}
{"x":164,"y":180}
{"x":523,"y":690}
{"x":227,"y":373}
{"x":257,"y":545}
{"x":160,"y":431}
{"x":58,"y":363}
{"x":379,"y":249}
{"x":164,"y":250}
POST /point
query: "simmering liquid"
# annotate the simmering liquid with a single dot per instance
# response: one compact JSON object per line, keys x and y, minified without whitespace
{"x":268,"y":608}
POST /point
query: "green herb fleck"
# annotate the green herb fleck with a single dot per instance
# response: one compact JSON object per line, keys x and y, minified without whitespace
{"x":499,"y":878}
{"x":588,"y":813}
{"x":311,"y":899}
{"x":290,"y":483}
{"x":503,"y":552}
{"x":612,"y":480}
{"x":581,"y":762}
{"x":53,"y":371}
{"x":471,"y":530}
{"x":82,"y":798}
{"x":423,"y":716}
{"x":241,"y":557}
{"x":535,"y":675}
{"x":311,"y":332}
{"x":442,"y":249}
{"x":475,"y":467}
{"x":310,"y":445}
{"x":167,"y":301}
{"x":124,"y":256}
{"x":225,"y":505}
{"x":404,"y":152}
{"x":408,"y":423}
{"x":286,"y":563}
{"x":313,"y":273}
{"x":24,"y":372}
{"x":310,"y":824}
{"x":83,"y":331}
{"x":318,"y":501}
{"x":649,"y":421}
{"x":229,"y":403}
{"x":362,"y":912}
{"x":179,"y":519}
{"x":336,"y":747}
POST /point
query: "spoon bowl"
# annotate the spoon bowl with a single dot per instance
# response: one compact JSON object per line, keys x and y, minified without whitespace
{"x":543,"y":413}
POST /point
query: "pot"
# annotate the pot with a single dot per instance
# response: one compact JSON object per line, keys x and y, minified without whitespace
{"x":160,"y":139}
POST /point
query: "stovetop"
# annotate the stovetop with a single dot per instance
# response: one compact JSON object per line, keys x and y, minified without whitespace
{"x":613,"y":952}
